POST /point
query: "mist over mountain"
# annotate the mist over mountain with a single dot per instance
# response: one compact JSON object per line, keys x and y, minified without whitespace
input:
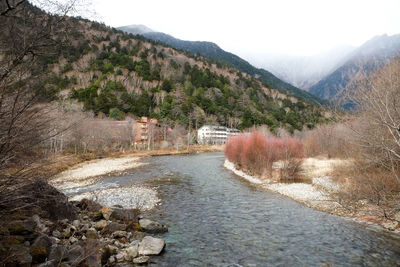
{"x":368,"y":57}
{"x":302,"y":71}
{"x":213,"y":51}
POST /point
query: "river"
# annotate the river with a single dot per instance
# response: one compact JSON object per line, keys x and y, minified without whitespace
{"x":217,"y":219}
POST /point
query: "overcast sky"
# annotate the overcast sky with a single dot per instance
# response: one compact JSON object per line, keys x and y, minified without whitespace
{"x":260,"y":27}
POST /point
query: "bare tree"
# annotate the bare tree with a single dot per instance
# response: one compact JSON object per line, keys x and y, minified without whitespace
{"x":377,"y":129}
{"x":30,"y":40}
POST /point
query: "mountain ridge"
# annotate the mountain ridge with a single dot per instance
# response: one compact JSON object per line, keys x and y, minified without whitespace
{"x":371,"y":55}
{"x":212,"y":50}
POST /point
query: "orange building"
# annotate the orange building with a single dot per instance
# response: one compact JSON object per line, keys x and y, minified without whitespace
{"x":148,"y":132}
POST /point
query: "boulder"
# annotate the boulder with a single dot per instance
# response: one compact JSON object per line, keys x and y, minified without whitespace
{"x":152,"y":227}
{"x":141,"y":260}
{"x":151,"y":246}
{"x":25,"y":227}
{"x":57,"y":253}
{"x":113,"y":227}
{"x":106,"y":212}
{"x":137,"y":236}
{"x":75,"y":255}
{"x":88,"y":205}
{"x":93,"y":253}
{"x":49,"y":202}
{"x":101,"y":224}
{"x":125,"y":215}
{"x":19,"y":256}
{"x":44,"y":240}
{"x":38,"y":253}
{"x":40,"y":249}
{"x":131,"y":252}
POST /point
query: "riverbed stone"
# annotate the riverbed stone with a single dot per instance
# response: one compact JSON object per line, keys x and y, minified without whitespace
{"x":151,"y":246}
{"x":152,"y":227}
{"x":131,"y":252}
{"x":141,"y":260}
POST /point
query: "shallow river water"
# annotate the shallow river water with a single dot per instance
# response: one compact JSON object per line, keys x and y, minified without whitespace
{"x":217,"y":219}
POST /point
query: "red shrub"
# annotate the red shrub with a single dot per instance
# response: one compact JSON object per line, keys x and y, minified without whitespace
{"x":256,"y":154}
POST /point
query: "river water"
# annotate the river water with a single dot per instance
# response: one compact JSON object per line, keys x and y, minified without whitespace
{"x":217,"y":219}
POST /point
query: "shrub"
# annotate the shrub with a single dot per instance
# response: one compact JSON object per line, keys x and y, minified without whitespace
{"x":256,"y":154}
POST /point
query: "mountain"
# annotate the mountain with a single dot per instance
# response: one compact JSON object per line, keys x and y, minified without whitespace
{"x":115,"y":74}
{"x":110,"y":73}
{"x":368,"y":57}
{"x":302,"y":71}
{"x":212,"y":50}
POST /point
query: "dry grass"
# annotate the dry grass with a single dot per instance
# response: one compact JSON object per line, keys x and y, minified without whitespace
{"x":322,"y":166}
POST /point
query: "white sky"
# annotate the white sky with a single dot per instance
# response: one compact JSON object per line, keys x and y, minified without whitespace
{"x":260,"y":27}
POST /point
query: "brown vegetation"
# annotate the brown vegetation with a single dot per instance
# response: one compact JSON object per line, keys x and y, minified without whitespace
{"x":369,"y":137}
{"x":256,"y":154}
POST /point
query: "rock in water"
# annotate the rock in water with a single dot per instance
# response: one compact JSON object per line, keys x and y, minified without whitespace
{"x":151,"y":246}
{"x":152,"y":227}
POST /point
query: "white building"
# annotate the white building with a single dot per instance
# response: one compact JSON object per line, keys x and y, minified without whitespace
{"x":209,"y":134}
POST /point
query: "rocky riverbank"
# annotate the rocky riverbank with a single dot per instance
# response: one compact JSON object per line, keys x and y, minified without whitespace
{"x":83,"y":233}
{"x":318,"y":192}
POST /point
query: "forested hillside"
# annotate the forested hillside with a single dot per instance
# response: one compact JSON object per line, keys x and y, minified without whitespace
{"x":212,"y":50}
{"x":115,"y":74}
